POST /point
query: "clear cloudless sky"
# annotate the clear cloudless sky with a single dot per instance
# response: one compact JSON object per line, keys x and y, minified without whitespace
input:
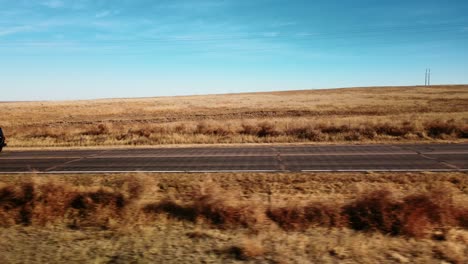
{"x":80,"y":49}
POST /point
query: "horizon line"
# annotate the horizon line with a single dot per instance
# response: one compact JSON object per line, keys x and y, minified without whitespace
{"x":238,"y":93}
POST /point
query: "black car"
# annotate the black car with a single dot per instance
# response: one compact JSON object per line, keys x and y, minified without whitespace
{"x":2,"y":140}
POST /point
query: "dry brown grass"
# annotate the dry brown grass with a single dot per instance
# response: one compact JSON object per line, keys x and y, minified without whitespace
{"x":415,"y":215}
{"x":280,"y":218}
{"x":214,"y":205}
{"x":247,"y":249}
{"x":34,"y":204}
{"x":340,"y":115}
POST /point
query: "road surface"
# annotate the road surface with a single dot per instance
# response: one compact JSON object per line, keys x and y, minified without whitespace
{"x":426,"y":157}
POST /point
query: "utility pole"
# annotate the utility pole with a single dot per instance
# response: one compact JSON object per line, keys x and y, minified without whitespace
{"x":425,"y":78}
{"x":429,"y":78}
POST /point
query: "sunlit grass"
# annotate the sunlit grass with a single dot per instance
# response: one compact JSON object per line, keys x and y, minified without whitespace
{"x":375,"y":217}
{"x":392,"y":114}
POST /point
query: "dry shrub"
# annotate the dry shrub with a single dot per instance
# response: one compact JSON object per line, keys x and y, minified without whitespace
{"x":32,"y":203}
{"x":439,"y":128}
{"x":305,"y":132}
{"x":98,"y":130}
{"x":374,"y":212}
{"x":248,"y":129}
{"x":173,"y":208}
{"x":211,"y":204}
{"x":203,"y":128}
{"x":160,"y":129}
{"x":414,"y":215}
{"x":248,"y":249}
{"x":51,"y":203}
{"x":29,"y":203}
{"x":233,"y":131}
{"x":141,"y":132}
{"x":123,"y":136}
{"x":139,"y":136}
{"x":334,"y":129}
{"x":133,"y":187}
{"x":16,"y":204}
{"x":296,"y":217}
{"x":180,"y":128}
{"x":96,"y":208}
{"x":221,"y":213}
{"x":464,"y":131}
{"x":367,"y":131}
{"x":140,"y":141}
{"x":420,"y":214}
{"x":353,"y":135}
{"x":267,"y":129}
{"x":216,"y":129}
{"x":49,"y":132}
{"x":394,"y":129}
{"x":461,"y":215}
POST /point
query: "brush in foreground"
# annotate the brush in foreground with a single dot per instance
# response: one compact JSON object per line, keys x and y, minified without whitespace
{"x":415,"y":215}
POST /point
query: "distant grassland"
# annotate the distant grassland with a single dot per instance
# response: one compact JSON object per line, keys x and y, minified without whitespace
{"x":227,"y":218}
{"x":381,"y":114}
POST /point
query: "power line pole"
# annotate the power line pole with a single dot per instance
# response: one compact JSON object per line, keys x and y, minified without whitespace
{"x":429,"y":78}
{"x":425,"y":78}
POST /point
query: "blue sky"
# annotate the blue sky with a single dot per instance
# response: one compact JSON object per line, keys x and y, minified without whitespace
{"x":80,"y":49}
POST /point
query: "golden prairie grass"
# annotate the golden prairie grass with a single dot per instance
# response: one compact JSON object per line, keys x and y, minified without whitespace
{"x":280,"y":218}
{"x":379,"y":114}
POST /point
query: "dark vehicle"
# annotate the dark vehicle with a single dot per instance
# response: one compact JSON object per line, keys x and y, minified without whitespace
{"x":2,"y":140}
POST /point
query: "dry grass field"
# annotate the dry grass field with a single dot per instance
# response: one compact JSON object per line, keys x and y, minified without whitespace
{"x":231,"y":218}
{"x":381,"y":114}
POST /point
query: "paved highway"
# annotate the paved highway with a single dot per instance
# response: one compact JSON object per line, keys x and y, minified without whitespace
{"x":426,"y":157}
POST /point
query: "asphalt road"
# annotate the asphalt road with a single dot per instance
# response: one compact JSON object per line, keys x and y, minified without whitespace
{"x":427,"y":157}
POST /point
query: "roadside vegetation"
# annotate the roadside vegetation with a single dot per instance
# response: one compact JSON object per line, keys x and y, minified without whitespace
{"x":277,"y":218}
{"x":385,"y":114}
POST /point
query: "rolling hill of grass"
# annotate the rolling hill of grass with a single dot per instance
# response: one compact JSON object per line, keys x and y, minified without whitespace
{"x":374,"y":114}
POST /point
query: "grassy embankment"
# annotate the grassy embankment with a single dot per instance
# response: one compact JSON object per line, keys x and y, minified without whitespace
{"x":386,"y":114}
{"x":273,"y":218}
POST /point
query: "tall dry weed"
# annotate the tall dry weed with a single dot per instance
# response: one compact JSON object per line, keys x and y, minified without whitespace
{"x":214,"y":205}
{"x":32,"y":203}
{"x":440,"y":129}
{"x":117,"y":205}
{"x":300,"y":217}
{"x":416,"y":215}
